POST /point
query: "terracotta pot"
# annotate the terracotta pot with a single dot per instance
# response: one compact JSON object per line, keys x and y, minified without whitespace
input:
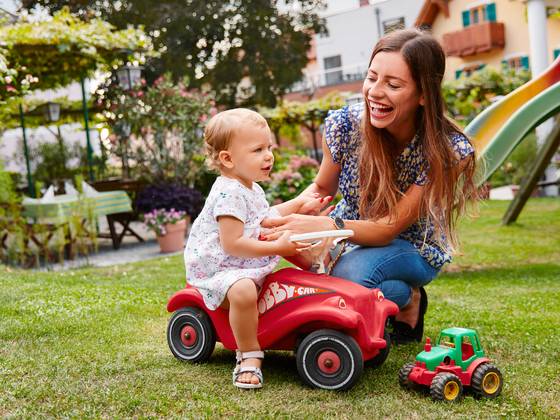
{"x":174,"y":239}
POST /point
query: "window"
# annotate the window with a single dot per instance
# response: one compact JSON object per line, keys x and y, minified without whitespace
{"x":393,"y":25}
{"x":468,"y":69}
{"x":517,"y":62}
{"x":479,"y":14}
{"x":556,"y":53}
{"x":446,"y":341}
{"x":333,"y":69}
{"x":467,"y":348}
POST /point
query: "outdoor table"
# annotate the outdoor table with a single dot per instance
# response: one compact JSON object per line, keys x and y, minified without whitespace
{"x":61,"y":208}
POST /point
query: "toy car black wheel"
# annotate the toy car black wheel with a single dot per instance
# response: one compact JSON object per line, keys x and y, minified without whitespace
{"x":446,"y":387}
{"x":383,"y":353}
{"x":190,"y":335}
{"x":404,"y":372}
{"x":487,"y":381}
{"x":329,"y":359}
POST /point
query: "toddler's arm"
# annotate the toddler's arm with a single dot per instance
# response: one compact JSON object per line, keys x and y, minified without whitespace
{"x":234,"y":243}
{"x":303,"y":204}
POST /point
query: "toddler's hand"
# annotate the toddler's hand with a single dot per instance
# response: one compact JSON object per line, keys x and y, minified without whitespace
{"x":287,"y":248}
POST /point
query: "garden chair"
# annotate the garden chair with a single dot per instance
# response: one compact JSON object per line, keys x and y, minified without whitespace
{"x":132,"y":187}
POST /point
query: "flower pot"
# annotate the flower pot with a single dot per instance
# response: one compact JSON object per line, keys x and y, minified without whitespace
{"x":174,"y":239}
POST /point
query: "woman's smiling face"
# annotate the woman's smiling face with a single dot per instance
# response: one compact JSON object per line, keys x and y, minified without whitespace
{"x":392,"y":96}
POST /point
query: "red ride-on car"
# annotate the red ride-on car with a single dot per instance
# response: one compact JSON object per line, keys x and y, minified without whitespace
{"x":333,"y":325}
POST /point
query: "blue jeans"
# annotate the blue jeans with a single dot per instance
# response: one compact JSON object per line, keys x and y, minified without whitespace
{"x":394,"y":269}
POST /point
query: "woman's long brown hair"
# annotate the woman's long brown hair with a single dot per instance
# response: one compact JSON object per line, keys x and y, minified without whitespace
{"x":450,"y":186}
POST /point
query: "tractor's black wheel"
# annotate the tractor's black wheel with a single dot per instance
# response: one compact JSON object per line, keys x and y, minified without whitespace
{"x":329,"y":359}
{"x":404,"y":372}
{"x":383,"y":353}
{"x":190,"y":335}
{"x":446,"y":387}
{"x":487,"y":381}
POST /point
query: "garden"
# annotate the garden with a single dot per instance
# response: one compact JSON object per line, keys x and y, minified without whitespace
{"x":90,"y":341}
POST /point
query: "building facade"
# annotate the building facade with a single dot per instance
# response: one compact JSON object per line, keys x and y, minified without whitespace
{"x":338,"y":61}
{"x":487,"y":32}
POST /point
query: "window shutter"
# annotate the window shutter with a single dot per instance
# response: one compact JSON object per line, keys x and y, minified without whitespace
{"x":466,"y":18}
{"x":458,"y":73}
{"x":525,"y":62}
{"x":491,"y":12}
{"x":556,"y":53}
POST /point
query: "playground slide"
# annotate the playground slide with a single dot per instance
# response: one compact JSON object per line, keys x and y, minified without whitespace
{"x":499,"y":128}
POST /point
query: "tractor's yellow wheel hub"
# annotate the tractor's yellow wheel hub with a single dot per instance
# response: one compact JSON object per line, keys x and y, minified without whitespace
{"x":451,"y":390}
{"x":491,"y":382}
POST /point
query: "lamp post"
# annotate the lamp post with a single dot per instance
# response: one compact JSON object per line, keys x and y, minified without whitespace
{"x":30,"y":185}
{"x":86,"y":124}
{"x":52,"y":111}
{"x":129,"y":76}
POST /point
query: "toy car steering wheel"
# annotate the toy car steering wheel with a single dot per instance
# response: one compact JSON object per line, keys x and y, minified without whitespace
{"x":320,"y":243}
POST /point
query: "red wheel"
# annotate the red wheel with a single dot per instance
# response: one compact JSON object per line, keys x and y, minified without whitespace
{"x":329,"y":359}
{"x":328,"y":362}
{"x":190,"y":335}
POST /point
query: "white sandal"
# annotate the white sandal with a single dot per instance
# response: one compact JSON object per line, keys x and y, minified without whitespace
{"x":239,"y":370}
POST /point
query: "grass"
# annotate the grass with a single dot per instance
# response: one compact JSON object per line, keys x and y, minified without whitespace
{"x":91,"y":342}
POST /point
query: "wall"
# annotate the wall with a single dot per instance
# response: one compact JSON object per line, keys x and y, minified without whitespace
{"x":510,"y":12}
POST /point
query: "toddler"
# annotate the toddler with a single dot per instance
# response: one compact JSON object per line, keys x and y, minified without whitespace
{"x":224,"y":258}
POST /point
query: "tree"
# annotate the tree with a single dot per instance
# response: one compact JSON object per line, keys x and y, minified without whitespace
{"x":52,"y":53}
{"x":309,"y":114}
{"x":249,"y":51}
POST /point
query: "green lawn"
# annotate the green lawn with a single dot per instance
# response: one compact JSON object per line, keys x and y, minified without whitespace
{"x":91,"y":342}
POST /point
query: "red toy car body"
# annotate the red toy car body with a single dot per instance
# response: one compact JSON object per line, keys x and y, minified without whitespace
{"x":333,"y":325}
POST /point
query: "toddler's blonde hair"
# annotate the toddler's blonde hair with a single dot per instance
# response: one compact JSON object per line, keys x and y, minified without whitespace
{"x":221,"y":129}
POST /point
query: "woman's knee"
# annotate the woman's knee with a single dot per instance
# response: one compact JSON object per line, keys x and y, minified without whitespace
{"x":359,"y":266}
{"x":242,"y":292}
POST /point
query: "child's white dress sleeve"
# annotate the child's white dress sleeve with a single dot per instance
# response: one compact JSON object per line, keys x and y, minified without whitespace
{"x":209,"y":268}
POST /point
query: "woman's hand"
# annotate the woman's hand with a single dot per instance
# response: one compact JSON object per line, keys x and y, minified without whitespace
{"x":296,"y":223}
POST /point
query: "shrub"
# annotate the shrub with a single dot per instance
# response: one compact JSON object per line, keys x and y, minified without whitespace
{"x":157,"y":129}
{"x":518,"y":164}
{"x":467,"y":96}
{"x":293,"y":173}
{"x":168,"y":197}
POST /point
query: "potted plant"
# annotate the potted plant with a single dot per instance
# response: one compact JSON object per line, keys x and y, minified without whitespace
{"x":170,"y":227}
{"x":164,"y":204}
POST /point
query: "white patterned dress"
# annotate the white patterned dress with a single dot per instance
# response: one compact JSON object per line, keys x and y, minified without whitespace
{"x":209,"y":268}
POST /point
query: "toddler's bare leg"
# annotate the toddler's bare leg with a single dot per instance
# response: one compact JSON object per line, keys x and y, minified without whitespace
{"x":243,"y":318}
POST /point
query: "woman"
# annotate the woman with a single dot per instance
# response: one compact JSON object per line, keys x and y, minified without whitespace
{"x":405,"y":172}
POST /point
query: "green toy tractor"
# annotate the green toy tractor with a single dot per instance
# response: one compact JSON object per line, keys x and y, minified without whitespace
{"x":456,"y":361}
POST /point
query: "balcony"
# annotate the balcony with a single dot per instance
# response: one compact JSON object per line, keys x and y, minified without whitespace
{"x":331,"y":77}
{"x":474,"y":39}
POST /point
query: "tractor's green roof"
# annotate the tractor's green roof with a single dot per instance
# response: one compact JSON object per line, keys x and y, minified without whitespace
{"x":457,"y":331}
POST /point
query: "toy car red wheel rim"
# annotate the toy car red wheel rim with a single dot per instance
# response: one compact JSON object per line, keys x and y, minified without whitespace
{"x":188,"y":336}
{"x":328,"y":362}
